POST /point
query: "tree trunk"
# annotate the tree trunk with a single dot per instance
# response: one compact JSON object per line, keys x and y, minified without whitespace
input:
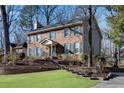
{"x":6,"y":31}
{"x":118,"y":55}
{"x":90,"y":36}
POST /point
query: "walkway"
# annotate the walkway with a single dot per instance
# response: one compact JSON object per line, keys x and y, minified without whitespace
{"x":116,"y":82}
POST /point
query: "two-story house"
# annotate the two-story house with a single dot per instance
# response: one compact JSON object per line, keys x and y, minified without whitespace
{"x":68,"y":38}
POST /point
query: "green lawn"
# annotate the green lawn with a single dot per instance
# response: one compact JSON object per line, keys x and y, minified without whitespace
{"x":48,"y":79}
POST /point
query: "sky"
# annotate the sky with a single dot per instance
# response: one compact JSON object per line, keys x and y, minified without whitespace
{"x":101,"y":18}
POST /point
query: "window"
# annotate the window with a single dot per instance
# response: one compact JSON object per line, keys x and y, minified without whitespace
{"x":35,"y":52}
{"x":77,"y":30}
{"x":67,"y":48}
{"x":38,"y":52}
{"x":72,"y":31}
{"x":34,"y":38}
{"x":31,"y":52}
{"x":72,"y":48}
{"x":29,"y":39}
{"x":81,"y":47}
{"x":52,"y":35}
{"x":38,"y":38}
{"x":66,"y":32}
{"x":77,"y":47}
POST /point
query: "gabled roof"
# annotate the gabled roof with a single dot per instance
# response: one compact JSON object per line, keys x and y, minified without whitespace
{"x":18,"y":46}
{"x":59,"y":26}
{"x":47,"y":42}
{"x":54,"y":28}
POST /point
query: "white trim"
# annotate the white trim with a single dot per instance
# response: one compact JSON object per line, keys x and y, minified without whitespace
{"x":47,"y":42}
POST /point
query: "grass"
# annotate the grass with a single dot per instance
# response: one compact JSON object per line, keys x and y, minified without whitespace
{"x":48,"y":79}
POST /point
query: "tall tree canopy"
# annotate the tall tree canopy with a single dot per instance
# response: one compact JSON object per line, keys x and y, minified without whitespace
{"x":44,"y":14}
{"x":27,"y":17}
{"x":116,"y":22}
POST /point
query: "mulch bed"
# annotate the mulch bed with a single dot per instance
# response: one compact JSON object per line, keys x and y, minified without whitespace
{"x":27,"y":67}
{"x":42,"y":65}
{"x":91,"y":72}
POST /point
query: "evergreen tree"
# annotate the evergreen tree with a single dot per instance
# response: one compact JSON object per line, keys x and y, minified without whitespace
{"x":116,"y":22}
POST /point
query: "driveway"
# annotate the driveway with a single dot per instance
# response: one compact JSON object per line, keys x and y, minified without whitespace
{"x":116,"y":82}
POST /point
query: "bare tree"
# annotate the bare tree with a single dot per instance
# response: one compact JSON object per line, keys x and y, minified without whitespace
{"x":6,"y":31}
{"x":20,"y":37}
{"x":48,"y":13}
{"x":13,"y":13}
{"x":1,"y":39}
{"x":88,"y":12}
{"x":90,"y":35}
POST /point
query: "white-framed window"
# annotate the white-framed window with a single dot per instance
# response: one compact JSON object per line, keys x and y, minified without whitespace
{"x":72,"y":48}
{"x":52,"y":35}
{"x":38,"y":37}
{"x":31,"y":39}
{"x":66,"y":32}
{"x":31,"y":52}
{"x":77,"y":30}
{"x":66,"y":48}
{"x":39,"y":52}
{"x":77,"y":47}
{"x":35,"y":38}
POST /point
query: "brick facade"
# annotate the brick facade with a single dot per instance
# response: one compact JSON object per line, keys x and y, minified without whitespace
{"x":60,"y":39}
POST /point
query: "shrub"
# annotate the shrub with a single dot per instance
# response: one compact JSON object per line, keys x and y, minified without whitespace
{"x":84,"y":57}
{"x":1,"y":57}
{"x":21,"y":56}
{"x":70,"y":57}
{"x":100,"y":62}
{"x":59,"y":56}
{"x":8,"y":58}
{"x":11,"y":58}
{"x":30,"y":58}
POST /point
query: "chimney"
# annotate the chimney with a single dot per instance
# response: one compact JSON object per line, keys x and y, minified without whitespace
{"x":35,"y":25}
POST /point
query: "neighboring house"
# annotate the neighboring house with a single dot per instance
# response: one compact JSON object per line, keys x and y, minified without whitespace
{"x":68,"y":38}
{"x":18,"y":48}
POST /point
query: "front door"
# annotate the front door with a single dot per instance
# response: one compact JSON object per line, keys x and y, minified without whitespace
{"x":52,"y":51}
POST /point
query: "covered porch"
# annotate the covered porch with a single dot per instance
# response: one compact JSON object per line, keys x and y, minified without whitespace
{"x":51,"y":45}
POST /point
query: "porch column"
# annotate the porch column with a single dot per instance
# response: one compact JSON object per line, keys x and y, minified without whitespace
{"x":51,"y":50}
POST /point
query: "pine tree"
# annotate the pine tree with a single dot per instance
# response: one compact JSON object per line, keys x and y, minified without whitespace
{"x":116,"y":22}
